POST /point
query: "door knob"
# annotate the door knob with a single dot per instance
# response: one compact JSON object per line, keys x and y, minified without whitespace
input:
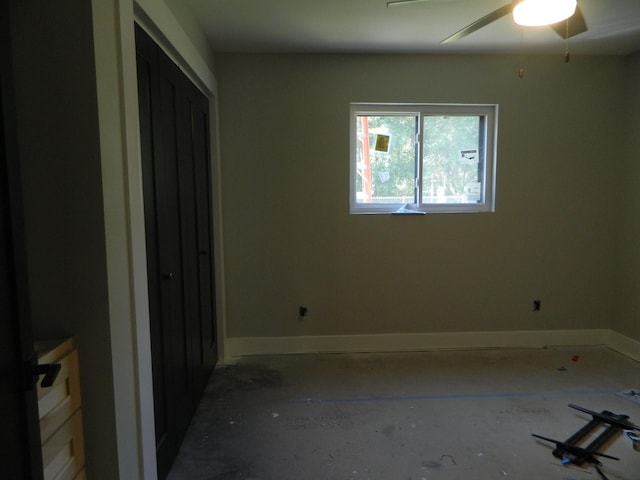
{"x":50,"y":372}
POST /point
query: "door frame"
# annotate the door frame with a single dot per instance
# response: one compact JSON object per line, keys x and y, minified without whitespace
{"x":114,"y":46}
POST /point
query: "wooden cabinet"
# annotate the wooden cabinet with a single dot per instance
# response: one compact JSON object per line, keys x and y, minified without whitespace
{"x":60,"y":413}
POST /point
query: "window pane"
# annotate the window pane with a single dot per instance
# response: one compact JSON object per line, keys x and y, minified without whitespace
{"x":453,"y":159}
{"x":386,"y":159}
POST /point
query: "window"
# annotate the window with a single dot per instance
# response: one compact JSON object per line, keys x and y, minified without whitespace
{"x":423,"y":158}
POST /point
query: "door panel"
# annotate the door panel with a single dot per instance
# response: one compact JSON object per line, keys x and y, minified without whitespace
{"x":20,"y":455}
{"x":207,"y":349}
{"x":147,"y":69}
{"x":177,"y":197}
{"x":17,"y":392}
{"x":173,"y":244}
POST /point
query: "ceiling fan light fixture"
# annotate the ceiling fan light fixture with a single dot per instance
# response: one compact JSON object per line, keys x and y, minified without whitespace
{"x":535,"y":13}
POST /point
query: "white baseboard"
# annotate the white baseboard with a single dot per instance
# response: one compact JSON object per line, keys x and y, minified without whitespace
{"x":624,"y":345}
{"x":236,"y":347}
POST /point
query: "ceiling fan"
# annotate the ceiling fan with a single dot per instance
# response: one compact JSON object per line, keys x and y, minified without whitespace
{"x":573,"y":25}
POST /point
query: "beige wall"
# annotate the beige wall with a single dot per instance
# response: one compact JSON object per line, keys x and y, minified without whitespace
{"x":629,"y":305}
{"x":76,"y":99}
{"x":289,"y":238}
{"x":60,"y":159}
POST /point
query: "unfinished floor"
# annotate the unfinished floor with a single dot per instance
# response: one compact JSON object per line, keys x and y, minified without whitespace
{"x":398,"y":416}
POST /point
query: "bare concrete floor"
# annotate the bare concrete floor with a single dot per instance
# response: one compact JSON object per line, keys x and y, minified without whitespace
{"x":419,"y":416}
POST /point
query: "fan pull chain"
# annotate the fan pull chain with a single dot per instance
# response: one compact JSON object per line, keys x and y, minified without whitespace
{"x":567,"y":55}
{"x":521,"y":69}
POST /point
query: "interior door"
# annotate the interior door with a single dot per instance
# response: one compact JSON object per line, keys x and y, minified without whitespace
{"x":20,"y":456}
{"x":171,"y":378}
{"x":205,"y":353}
{"x":174,"y":132}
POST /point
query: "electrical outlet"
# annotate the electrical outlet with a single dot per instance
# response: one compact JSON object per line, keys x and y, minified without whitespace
{"x":536,"y":305}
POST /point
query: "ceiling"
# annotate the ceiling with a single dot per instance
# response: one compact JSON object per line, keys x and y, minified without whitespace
{"x":369,"y":26}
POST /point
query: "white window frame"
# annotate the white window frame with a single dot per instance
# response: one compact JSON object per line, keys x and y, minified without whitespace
{"x":489,"y":111}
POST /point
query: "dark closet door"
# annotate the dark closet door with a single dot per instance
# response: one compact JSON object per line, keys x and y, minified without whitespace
{"x":174,"y":217}
{"x":204,"y":322}
{"x":161,"y":281}
{"x":177,"y":209}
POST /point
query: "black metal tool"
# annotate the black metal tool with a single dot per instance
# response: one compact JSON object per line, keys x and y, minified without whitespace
{"x":574,"y":439}
{"x":609,"y":418}
{"x":569,"y":451}
{"x":585,"y":453}
{"x":602,"y":439}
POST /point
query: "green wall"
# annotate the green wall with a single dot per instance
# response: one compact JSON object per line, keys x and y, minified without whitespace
{"x":289,"y":238}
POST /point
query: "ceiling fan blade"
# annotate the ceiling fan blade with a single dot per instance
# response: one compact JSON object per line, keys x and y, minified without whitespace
{"x":482,"y":22}
{"x":576,"y":25}
{"x":397,"y":3}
